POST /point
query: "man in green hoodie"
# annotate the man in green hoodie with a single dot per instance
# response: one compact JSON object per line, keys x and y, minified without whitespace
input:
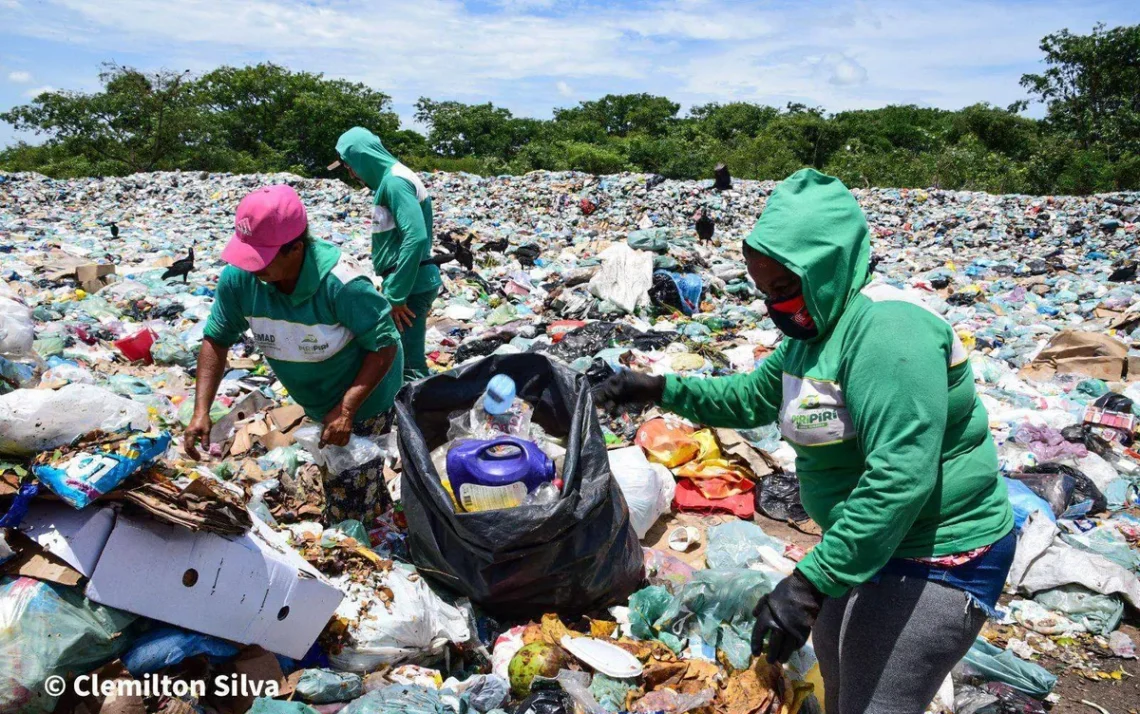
{"x":401,"y":239}
{"x":874,"y":392}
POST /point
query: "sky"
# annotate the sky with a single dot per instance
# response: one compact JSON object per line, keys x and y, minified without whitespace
{"x":533,"y":56}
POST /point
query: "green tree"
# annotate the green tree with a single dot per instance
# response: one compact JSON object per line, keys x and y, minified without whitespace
{"x":481,"y":130}
{"x":623,"y":114}
{"x":139,"y":122}
{"x":1092,"y":87}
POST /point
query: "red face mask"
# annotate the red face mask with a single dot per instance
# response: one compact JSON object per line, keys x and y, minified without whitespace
{"x":792,"y":317}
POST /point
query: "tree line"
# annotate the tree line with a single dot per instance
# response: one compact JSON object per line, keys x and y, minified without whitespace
{"x":266,"y":118}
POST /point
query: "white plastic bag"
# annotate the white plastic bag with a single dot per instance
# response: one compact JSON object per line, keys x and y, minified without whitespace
{"x":17,"y":329}
{"x":359,"y":451}
{"x":648,"y":488}
{"x":624,"y":278}
{"x":34,"y":420}
{"x":414,"y":625}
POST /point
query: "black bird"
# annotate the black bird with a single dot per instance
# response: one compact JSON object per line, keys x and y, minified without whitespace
{"x":114,"y":230}
{"x":722,"y":181}
{"x":181,"y":267}
{"x":1124,"y":273}
{"x":458,"y":250}
{"x":705,"y":227}
{"x":874,"y":263}
{"x":498,"y":246}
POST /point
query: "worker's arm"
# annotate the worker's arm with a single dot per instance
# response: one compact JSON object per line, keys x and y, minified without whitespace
{"x":742,"y":401}
{"x":893,"y":374}
{"x":368,"y":316}
{"x":415,"y":240}
{"x":211,"y":367}
{"x":223,"y":328}
{"x":338,"y":422}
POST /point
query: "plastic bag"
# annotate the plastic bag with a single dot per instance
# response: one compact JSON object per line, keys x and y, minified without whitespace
{"x":35,"y":420}
{"x":717,"y":605}
{"x":578,"y":554}
{"x":360,"y":451}
{"x":100,"y":469}
{"x":667,"y":442}
{"x":352,"y":470}
{"x":415,"y":624}
{"x":17,"y":329}
{"x":322,"y":686}
{"x":577,"y":685}
{"x":1054,"y":489}
{"x":624,"y":278}
{"x":677,"y":291}
{"x":646,"y":606}
{"x":994,"y":663}
{"x":778,"y":498}
{"x":399,"y":699}
{"x":167,"y":646}
{"x":1024,"y":502}
{"x":665,"y":570}
{"x":546,"y":701}
{"x":738,"y":544}
{"x":1099,"y":614}
{"x":484,"y":692}
{"x":1084,"y":488}
{"x":648,"y":488}
{"x":265,"y":705}
{"x":46,"y":630}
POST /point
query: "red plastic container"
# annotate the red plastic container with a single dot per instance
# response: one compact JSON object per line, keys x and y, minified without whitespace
{"x":136,"y":347}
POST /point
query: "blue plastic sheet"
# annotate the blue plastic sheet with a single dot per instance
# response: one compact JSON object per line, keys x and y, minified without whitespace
{"x":167,"y":646}
{"x":1024,"y":502}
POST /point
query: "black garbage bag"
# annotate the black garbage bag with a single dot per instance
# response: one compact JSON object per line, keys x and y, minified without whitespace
{"x":598,"y":372}
{"x":1056,"y":489}
{"x":546,"y":701}
{"x":1114,"y":402}
{"x":577,"y":555}
{"x":778,"y":497}
{"x":1083,"y":490}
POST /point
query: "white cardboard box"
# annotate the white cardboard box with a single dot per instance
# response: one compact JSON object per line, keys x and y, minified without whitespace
{"x":252,"y":589}
{"x":77,"y":537}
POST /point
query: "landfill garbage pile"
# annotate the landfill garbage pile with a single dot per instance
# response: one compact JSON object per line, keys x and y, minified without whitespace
{"x":124,"y":559}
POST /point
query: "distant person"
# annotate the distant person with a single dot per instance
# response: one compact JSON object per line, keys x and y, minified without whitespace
{"x":323,"y":328}
{"x":875,"y":394}
{"x":401,"y":239}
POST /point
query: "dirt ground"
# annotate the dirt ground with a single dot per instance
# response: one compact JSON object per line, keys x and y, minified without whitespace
{"x":1116,"y":697}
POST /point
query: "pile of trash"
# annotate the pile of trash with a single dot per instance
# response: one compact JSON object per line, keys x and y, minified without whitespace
{"x":530,"y":553}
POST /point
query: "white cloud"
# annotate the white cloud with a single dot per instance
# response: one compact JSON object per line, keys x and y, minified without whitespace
{"x":847,"y":72}
{"x":535,"y":53}
{"x":37,"y":91}
{"x":19,"y":77}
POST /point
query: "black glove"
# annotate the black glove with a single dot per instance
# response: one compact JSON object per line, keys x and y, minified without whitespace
{"x":785,"y":617}
{"x":628,"y":387}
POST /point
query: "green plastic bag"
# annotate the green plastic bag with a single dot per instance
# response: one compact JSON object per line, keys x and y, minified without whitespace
{"x":645,"y":607}
{"x":264,"y":705}
{"x":400,"y":699}
{"x":717,"y":605}
{"x":324,"y":686}
{"x":48,"y":630}
{"x":996,"y":664}
{"x":653,"y":239}
{"x":1100,"y":614}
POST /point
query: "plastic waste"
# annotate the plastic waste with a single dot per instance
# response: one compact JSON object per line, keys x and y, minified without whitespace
{"x":34,"y":420}
{"x":624,"y":278}
{"x":399,"y":699}
{"x":667,"y":442}
{"x":1099,"y":614}
{"x":996,"y":664}
{"x":101,"y":468}
{"x":322,"y":686}
{"x":546,"y":701}
{"x":167,"y":646}
{"x":778,"y":497}
{"x":264,"y":705}
{"x":647,"y":488}
{"x":17,"y":329}
{"x":47,"y":630}
{"x":497,"y":473}
{"x":415,"y":624}
{"x":576,"y":554}
{"x":1025,"y":502}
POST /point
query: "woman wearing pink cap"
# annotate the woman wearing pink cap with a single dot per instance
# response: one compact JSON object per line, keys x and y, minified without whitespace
{"x":323,"y":328}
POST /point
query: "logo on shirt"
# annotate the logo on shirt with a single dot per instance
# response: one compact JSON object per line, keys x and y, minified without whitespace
{"x":264,"y":339}
{"x":312,"y":345}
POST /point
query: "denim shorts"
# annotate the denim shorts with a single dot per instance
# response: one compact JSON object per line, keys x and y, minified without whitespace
{"x":982,"y":578}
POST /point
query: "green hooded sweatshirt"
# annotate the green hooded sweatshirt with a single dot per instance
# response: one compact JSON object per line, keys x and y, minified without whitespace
{"x":314,"y":338}
{"x":893,"y":448}
{"x":401,"y":216}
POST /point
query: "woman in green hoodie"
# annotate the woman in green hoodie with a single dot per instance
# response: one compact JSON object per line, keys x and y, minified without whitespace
{"x":874,"y":392}
{"x":401,"y":239}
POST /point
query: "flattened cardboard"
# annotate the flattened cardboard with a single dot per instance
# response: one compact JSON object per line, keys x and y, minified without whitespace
{"x":252,"y":589}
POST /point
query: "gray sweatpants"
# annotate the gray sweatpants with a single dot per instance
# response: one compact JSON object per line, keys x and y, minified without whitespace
{"x":886,"y":647}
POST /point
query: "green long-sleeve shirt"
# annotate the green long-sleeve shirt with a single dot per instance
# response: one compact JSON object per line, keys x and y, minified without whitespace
{"x":401,"y":216}
{"x":893,"y":449}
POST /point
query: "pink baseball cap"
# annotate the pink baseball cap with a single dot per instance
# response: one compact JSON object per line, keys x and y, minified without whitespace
{"x":267,"y":219}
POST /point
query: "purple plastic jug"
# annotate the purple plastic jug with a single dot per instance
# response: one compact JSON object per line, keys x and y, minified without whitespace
{"x":497,"y":473}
